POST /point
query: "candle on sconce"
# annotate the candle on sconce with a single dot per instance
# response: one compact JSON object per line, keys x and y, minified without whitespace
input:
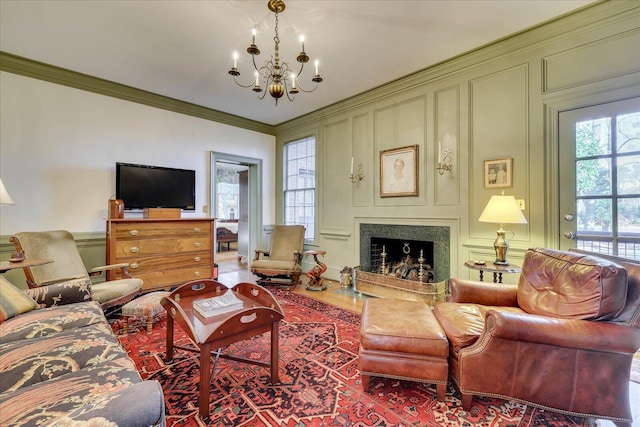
{"x":317,"y":63}
{"x":293,"y":80}
{"x":257,"y":80}
{"x":235,"y":59}
{"x":253,"y":36}
{"x":351,"y":166}
{"x":302,"y":41}
{"x":439,"y":152}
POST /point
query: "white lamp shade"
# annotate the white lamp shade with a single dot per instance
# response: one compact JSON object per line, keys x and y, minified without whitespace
{"x":502,"y":210}
{"x":5,"y":198}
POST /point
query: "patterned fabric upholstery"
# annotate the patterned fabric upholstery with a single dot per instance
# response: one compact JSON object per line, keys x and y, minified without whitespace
{"x":63,"y":364}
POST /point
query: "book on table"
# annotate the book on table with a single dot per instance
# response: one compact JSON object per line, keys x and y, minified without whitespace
{"x":218,"y":305}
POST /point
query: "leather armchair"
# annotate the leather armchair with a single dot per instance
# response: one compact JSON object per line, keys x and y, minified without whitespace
{"x":563,"y":339}
{"x":282,"y":264}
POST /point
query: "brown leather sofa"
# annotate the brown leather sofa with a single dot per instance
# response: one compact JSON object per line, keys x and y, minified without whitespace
{"x":563,"y":339}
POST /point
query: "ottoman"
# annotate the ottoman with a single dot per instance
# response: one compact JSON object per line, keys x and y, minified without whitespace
{"x":147,"y":306}
{"x":402,"y":339}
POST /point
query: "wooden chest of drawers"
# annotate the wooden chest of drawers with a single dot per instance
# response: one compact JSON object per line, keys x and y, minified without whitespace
{"x":162,"y":252}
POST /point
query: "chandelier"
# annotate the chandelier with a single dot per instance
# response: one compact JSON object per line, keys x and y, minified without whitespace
{"x":276,"y":76}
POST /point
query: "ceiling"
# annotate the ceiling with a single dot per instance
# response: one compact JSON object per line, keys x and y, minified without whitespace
{"x":183,"y":49}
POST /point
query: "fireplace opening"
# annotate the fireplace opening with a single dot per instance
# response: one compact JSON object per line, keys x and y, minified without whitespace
{"x":436,"y":237}
{"x":403,"y":258}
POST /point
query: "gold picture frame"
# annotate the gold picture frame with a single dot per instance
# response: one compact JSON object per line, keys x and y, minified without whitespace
{"x":498,"y":173}
{"x":399,"y":172}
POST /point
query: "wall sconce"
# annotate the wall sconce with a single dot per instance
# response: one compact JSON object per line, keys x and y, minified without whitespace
{"x":359,"y":175}
{"x":446,"y":165}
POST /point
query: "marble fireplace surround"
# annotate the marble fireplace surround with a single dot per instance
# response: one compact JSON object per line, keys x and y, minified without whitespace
{"x":442,"y":232}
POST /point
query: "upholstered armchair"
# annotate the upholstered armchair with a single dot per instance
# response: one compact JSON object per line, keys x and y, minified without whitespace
{"x":563,"y":339}
{"x":282,"y":264}
{"x":67,"y":264}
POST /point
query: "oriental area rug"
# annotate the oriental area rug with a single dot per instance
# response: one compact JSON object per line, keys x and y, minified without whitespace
{"x":320,"y":383}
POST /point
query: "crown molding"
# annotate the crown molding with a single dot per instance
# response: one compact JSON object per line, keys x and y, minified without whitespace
{"x":38,"y":70}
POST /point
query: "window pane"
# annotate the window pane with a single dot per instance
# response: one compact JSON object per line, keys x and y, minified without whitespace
{"x":629,"y":217}
{"x":629,"y":175}
{"x":300,"y":184}
{"x":594,"y":216}
{"x":593,"y":177}
{"x":593,"y":137}
{"x":628,"y":135}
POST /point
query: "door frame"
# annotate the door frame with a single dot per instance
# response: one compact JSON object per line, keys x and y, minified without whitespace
{"x":553,"y":106}
{"x":254,"y":197}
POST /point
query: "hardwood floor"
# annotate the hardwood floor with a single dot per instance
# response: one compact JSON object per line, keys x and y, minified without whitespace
{"x":233,"y":272}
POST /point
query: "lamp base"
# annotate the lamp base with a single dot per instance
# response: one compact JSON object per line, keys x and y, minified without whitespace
{"x":501,"y":246}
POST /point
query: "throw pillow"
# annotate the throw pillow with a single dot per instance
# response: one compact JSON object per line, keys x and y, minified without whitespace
{"x":13,"y":301}
{"x":67,"y":292}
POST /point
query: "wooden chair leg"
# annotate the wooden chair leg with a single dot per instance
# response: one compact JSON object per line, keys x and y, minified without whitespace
{"x":466,"y":401}
{"x":365,"y":382}
{"x":149,"y":324}
{"x":442,"y":391}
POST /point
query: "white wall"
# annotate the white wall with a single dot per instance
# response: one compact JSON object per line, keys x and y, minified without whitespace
{"x":59,"y":147}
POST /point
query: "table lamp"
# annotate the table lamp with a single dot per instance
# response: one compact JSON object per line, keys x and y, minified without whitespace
{"x":5,"y":198}
{"x":502,"y":210}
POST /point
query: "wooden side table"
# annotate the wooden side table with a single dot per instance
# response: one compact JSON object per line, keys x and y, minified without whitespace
{"x":497,"y":270}
{"x":8,"y":265}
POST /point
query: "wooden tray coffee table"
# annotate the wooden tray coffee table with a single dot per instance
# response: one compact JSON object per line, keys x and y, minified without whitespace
{"x":260,"y":313}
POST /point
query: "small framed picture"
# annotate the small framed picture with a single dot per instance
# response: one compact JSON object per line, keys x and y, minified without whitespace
{"x":498,"y":173}
{"x":399,"y":172}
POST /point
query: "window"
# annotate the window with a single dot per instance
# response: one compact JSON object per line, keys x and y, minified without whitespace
{"x":607,"y":159}
{"x":300,"y":184}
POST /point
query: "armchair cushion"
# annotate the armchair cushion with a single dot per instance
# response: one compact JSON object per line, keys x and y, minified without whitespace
{"x":572,"y":286}
{"x":13,"y":301}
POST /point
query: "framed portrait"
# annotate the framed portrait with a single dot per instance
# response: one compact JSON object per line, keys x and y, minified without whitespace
{"x":498,"y":173}
{"x":399,"y":172}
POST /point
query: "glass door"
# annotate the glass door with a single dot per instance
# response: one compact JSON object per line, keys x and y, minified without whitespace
{"x":599,"y":176}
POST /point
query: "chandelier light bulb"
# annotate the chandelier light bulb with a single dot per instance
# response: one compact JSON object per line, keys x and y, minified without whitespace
{"x":317,"y":63}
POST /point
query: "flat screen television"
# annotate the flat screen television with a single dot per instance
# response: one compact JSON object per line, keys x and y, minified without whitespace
{"x":142,"y":186}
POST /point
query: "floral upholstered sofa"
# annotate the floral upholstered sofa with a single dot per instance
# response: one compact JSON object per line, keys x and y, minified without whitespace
{"x":61,"y":364}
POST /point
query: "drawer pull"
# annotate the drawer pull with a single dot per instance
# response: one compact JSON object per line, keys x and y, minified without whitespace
{"x":133,"y":265}
{"x":197,"y":259}
{"x":197,"y":229}
{"x":196,"y":273}
{"x":197,"y":244}
{"x":134,"y":249}
{"x":134,"y":232}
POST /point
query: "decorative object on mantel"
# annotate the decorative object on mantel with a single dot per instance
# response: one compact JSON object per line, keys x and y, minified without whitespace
{"x":278,"y":77}
{"x":5,"y":198}
{"x":316,"y":281}
{"x":359,"y":175}
{"x":399,"y":172}
{"x":444,"y":160}
{"x":502,"y":210}
{"x":498,"y":173}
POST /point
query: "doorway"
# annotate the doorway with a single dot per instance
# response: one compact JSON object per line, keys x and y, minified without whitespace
{"x":236,"y":203}
{"x":599,"y":166}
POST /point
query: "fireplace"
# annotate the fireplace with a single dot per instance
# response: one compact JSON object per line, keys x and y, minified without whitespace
{"x":434,"y":241}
